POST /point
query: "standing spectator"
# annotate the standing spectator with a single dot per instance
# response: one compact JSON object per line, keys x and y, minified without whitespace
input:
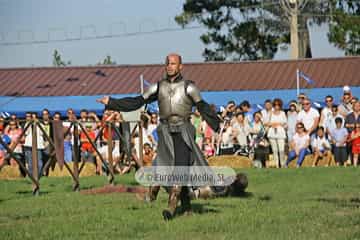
{"x":2,"y":124}
{"x":266,"y":112}
{"x":154,"y":122}
{"x":46,"y":124}
{"x":326,"y":111}
{"x":321,"y":147}
{"x":229,"y":110}
{"x":309,"y":117}
{"x":330,"y":123}
{"x":299,"y":145}
{"x":353,"y":117}
{"x":345,"y":106}
{"x":276,"y":133}
{"x":291,"y":120}
{"x":68,"y":140}
{"x":196,"y":120}
{"x":301,"y":98}
{"x":28,"y":145}
{"x":355,"y":141}
{"x":84,"y":115}
{"x":14,"y":133}
{"x":57,"y":116}
{"x":7,"y":140}
{"x":339,"y":137}
{"x":248,"y":112}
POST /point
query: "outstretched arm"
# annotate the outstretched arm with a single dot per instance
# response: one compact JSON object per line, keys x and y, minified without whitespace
{"x":129,"y":104}
{"x":204,"y":108}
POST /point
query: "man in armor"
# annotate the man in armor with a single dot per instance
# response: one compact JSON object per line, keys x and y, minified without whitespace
{"x":176,"y":146}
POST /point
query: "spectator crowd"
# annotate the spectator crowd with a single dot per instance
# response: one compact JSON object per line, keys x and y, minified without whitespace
{"x":282,"y":134}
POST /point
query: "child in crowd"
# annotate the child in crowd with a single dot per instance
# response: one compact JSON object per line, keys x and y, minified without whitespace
{"x":339,"y":136}
{"x":148,"y":155}
{"x":87,"y":150}
{"x":321,"y":147}
{"x":355,"y":141}
{"x":209,"y":149}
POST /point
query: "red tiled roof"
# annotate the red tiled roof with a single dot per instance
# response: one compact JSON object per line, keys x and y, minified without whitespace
{"x":217,"y":76}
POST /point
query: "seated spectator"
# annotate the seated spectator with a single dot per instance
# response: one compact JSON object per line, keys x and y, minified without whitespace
{"x":259,"y":147}
{"x":241,"y":131}
{"x":355,"y":141}
{"x":148,"y":156}
{"x":339,"y":137}
{"x":299,"y":145}
{"x":321,"y":147}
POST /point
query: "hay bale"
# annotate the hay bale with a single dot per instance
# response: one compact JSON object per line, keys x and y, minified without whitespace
{"x":230,"y":161}
{"x":88,"y":170}
{"x":10,"y":172}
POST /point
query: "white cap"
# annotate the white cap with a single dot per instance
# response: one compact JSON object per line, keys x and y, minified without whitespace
{"x":346,"y":88}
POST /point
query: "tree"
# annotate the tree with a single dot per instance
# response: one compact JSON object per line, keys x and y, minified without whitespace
{"x":344,"y":27}
{"x":251,"y":29}
{"x":107,"y":61}
{"x":57,"y":61}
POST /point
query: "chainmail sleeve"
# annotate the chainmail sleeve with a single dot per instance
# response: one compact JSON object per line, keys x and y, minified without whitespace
{"x":129,"y":104}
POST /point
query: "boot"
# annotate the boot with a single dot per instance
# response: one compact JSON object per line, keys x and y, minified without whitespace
{"x":174,"y":195}
{"x":185,"y":201}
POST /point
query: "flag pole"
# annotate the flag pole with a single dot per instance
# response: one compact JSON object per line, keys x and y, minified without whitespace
{"x":141,"y":84}
{"x":297,"y":83}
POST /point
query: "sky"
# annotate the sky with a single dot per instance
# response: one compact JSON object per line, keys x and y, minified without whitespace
{"x":44,"y":20}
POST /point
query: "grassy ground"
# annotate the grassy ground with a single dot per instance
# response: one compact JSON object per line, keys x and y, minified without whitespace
{"x":306,"y":203}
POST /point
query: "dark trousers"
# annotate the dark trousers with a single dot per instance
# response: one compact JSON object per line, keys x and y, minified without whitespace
{"x":182,"y":158}
{"x":182,"y":151}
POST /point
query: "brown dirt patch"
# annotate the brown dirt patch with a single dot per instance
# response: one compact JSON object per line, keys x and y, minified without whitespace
{"x":114,"y":189}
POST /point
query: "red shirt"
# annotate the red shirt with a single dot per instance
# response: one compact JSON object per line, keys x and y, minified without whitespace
{"x":85,"y":144}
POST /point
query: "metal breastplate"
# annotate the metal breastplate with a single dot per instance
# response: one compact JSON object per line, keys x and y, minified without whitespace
{"x":174,"y":104}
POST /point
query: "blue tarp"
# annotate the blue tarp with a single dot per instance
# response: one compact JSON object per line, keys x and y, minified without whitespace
{"x":20,"y":105}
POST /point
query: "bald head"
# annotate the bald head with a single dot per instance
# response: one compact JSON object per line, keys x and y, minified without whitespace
{"x":173,"y":66}
{"x":174,"y":56}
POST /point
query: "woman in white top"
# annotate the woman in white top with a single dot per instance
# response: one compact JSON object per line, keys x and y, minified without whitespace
{"x":276,"y":134}
{"x":299,"y":145}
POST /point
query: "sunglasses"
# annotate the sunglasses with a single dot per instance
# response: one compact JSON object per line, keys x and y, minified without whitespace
{"x":329,"y":100}
{"x":306,"y":104}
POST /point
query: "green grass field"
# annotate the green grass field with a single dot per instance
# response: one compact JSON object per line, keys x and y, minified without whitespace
{"x":306,"y":203}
